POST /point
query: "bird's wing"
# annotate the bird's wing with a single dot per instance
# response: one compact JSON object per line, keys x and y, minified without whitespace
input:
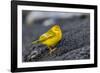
{"x":47,"y":35}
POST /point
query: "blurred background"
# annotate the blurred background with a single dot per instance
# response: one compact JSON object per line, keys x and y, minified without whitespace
{"x":75,"y":44}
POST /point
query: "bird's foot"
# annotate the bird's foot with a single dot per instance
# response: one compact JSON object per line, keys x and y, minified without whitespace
{"x":52,"y":51}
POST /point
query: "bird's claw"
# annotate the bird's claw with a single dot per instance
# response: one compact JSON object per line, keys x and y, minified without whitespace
{"x":52,"y":51}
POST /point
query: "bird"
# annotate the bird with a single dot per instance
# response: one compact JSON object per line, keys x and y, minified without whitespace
{"x":50,"y":38}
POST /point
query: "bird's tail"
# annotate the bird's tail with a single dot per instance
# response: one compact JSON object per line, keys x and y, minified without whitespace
{"x":35,"y":42}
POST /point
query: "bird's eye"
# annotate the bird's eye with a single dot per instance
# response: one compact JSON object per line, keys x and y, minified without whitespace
{"x":56,"y":29}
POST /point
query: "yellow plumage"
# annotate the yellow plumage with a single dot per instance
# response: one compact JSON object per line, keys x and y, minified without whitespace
{"x":50,"y":38}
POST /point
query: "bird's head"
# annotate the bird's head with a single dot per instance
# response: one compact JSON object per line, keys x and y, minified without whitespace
{"x":56,"y":28}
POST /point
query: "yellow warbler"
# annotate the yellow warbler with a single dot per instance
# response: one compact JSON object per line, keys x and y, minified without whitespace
{"x":50,"y":38}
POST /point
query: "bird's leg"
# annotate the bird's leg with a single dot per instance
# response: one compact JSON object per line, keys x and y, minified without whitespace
{"x":51,"y":50}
